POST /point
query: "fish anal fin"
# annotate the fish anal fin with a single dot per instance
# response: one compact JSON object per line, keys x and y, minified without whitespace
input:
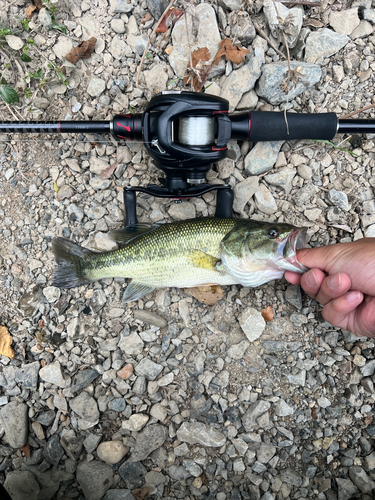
{"x":135,"y":291}
{"x":204,"y":260}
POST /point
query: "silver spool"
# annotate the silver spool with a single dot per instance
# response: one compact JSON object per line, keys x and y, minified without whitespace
{"x":196,"y":130}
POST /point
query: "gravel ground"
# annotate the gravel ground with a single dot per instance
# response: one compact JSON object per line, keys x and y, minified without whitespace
{"x":167,"y":397}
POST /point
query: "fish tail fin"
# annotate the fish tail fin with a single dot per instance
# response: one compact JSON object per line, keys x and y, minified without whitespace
{"x":70,"y":259}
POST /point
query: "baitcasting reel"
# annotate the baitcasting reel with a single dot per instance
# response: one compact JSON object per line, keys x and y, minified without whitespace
{"x":184,"y":132}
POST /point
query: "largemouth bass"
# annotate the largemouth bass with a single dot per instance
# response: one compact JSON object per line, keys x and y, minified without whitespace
{"x":188,"y":253}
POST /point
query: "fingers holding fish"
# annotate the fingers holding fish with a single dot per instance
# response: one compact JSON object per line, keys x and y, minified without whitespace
{"x":332,"y":287}
{"x":341,"y":312}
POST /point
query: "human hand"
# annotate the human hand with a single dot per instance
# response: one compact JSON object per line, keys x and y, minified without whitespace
{"x":342,"y":280}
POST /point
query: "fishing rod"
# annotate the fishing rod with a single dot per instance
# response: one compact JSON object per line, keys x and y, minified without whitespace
{"x":184,"y":132}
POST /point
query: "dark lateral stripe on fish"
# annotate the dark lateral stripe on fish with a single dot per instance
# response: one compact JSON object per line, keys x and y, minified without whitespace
{"x":70,"y":257}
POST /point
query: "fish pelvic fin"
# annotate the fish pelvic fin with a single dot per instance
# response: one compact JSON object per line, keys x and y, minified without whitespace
{"x":70,"y":259}
{"x":204,"y":260}
{"x":135,"y":291}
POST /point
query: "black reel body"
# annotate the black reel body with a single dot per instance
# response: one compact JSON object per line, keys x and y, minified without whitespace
{"x":184,"y":132}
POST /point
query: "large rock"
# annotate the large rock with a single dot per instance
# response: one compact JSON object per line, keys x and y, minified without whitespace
{"x":199,"y":433}
{"x":147,"y":441}
{"x":262,"y":157}
{"x":361,"y":479}
{"x":95,"y":478}
{"x":242,"y":80}
{"x":282,"y":178}
{"x":186,"y":39}
{"x":53,"y":374}
{"x":322,"y":44}
{"x":112,"y":452}
{"x":251,"y":418}
{"x":344,"y":21}
{"x":273,"y":85}
{"x":13,"y":418}
{"x":243,"y":192}
{"x":156,"y":78}
{"x":86,"y":407}
{"x":264,"y":200}
{"x":276,"y":18}
{"x":21,"y":485}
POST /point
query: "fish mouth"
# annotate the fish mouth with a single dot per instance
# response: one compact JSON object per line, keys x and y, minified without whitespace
{"x":295,"y":241}
{"x":298,"y":239}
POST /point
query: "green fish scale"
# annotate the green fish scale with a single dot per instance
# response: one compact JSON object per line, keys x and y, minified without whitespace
{"x":161,"y":256}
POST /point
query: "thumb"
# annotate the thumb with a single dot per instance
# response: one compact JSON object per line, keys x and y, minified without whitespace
{"x":320,"y":257}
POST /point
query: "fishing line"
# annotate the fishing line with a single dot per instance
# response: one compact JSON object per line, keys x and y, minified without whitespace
{"x":196,"y":130}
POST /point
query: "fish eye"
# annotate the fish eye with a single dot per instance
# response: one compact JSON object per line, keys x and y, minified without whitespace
{"x":273,"y":233}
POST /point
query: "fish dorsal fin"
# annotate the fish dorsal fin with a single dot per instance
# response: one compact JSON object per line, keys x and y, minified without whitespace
{"x":204,"y":260}
{"x":125,"y":235}
{"x":135,"y":291}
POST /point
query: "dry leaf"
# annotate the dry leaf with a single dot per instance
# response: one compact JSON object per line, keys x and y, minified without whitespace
{"x":29,"y":11}
{"x":209,"y":295}
{"x":342,"y":226}
{"x":231,"y":53}
{"x":26,"y":450}
{"x":147,"y":17}
{"x":199,"y":71}
{"x":267,"y":313}
{"x":313,"y":22}
{"x":313,"y":413}
{"x":107,"y":172}
{"x":5,"y":342}
{"x":38,"y":4}
{"x":169,"y":19}
{"x":368,"y":421}
{"x":82,"y":51}
{"x":143,"y":492}
{"x":169,"y":49}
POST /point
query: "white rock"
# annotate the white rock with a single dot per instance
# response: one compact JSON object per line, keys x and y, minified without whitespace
{"x":52,"y":374}
{"x":345,"y":21}
{"x":324,"y":402}
{"x":63,"y":47}
{"x":265,"y":201}
{"x":111,"y":452}
{"x":132,"y":344}
{"x":156,"y":78}
{"x":96,"y":86}
{"x":14,"y":42}
{"x":252,"y":323}
{"x":52,"y":293}
{"x":135,"y":422}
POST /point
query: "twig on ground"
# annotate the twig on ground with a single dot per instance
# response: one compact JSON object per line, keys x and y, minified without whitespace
{"x":263,"y":35}
{"x":309,"y":4}
{"x":19,"y":151}
{"x":10,"y":110}
{"x":149,"y":40}
{"x":356,"y":112}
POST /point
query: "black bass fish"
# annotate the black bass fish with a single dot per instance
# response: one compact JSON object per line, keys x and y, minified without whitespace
{"x":196,"y":252}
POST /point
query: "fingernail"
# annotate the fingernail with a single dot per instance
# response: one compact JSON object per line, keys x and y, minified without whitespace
{"x":334,"y":281}
{"x":353,"y":296}
{"x":311,"y":279}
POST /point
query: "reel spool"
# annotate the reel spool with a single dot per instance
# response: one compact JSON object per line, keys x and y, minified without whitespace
{"x":196,"y":130}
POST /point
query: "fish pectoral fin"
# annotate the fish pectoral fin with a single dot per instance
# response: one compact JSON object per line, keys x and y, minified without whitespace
{"x":135,"y":291}
{"x":204,"y":260}
{"x":125,"y":235}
